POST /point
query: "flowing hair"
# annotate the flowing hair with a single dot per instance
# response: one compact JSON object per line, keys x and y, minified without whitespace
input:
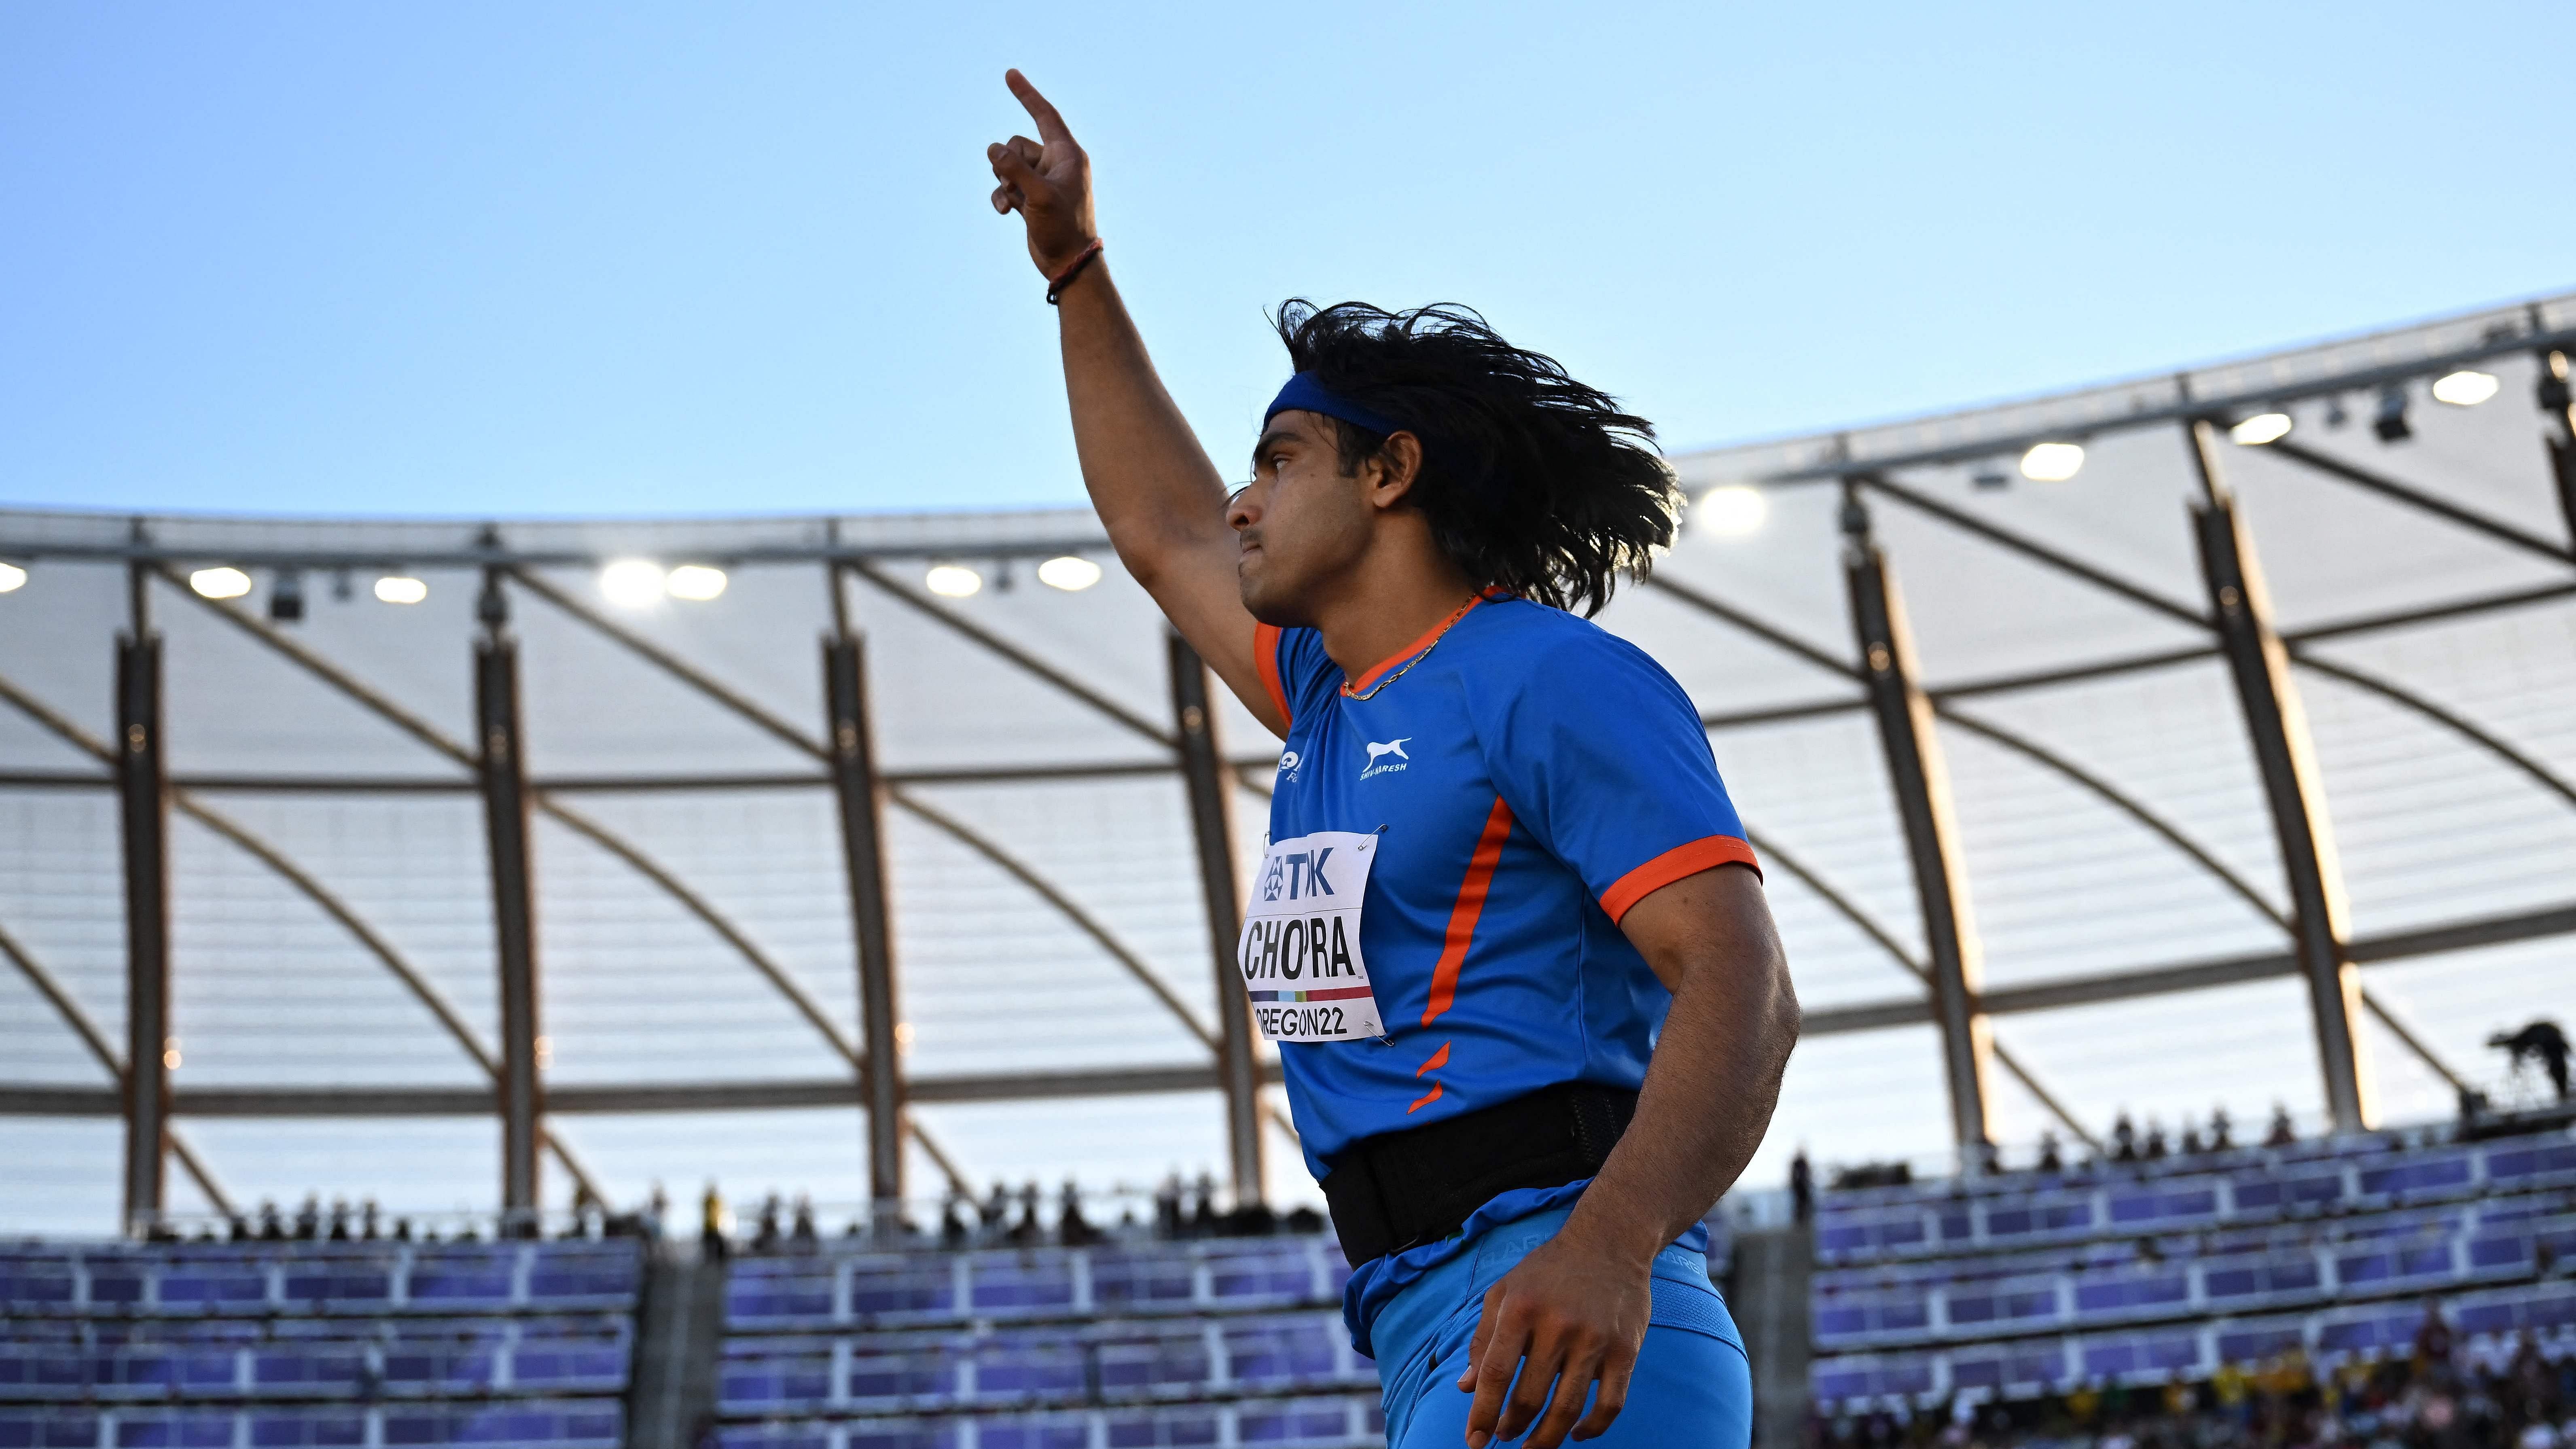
{"x":1532,"y":481}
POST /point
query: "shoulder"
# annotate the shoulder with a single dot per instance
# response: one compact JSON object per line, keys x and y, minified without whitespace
{"x":1526,"y":647}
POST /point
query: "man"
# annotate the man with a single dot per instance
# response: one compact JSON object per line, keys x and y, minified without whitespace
{"x":1530,"y":1005}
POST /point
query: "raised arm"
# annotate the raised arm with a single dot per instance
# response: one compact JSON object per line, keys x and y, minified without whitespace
{"x":1157,"y":493}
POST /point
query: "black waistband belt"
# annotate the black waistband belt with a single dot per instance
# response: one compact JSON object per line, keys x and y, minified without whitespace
{"x":1399,"y":1190}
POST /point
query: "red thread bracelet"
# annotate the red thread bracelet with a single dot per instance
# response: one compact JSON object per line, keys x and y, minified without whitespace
{"x":1061,"y":280}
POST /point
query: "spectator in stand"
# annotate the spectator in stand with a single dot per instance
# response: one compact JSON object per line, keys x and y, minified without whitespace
{"x":712,"y":1239}
{"x":2219,"y":1127}
{"x":952,"y":1219}
{"x":2541,"y":1041}
{"x":2233,"y":1393}
{"x":1203,"y":1222}
{"x":995,"y":1213}
{"x":2432,"y":1344}
{"x":1167,"y":1209}
{"x":1071,"y":1228}
{"x":803,"y":1236}
{"x":2155,"y":1140}
{"x":2049,"y":1160}
{"x":308,"y":1218}
{"x":2192,"y":1146}
{"x":2282,"y":1133}
{"x":2124,"y":1138}
{"x":1028,"y":1233}
{"x":1802,"y":1187}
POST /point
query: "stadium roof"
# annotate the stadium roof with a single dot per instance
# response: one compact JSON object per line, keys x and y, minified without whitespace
{"x":2126,"y":884}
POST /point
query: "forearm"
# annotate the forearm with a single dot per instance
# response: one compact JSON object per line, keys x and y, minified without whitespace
{"x":1155,"y":489}
{"x":1708,"y":1097}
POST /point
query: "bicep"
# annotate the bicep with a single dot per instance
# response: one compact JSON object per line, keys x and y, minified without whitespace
{"x":1717,"y":917}
{"x":1193,"y":582}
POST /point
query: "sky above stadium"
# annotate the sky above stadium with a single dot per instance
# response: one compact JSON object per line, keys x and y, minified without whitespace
{"x":520,"y":260}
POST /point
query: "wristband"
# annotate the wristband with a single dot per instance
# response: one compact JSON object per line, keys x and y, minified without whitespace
{"x":1061,"y":280}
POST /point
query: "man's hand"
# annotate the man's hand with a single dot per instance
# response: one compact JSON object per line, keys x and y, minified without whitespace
{"x":1047,"y":181}
{"x":1569,"y":1314}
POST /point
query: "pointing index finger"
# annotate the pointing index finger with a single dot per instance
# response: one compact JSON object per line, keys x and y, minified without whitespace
{"x":1051,"y":127}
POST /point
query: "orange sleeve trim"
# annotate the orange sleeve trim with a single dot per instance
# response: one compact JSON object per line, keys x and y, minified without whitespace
{"x":1470,"y":906}
{"x":1265,"y":661}
{"x":1682,"y":860}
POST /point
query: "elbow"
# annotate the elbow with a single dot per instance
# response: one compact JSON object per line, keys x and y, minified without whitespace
{"x":1786,"y":1016}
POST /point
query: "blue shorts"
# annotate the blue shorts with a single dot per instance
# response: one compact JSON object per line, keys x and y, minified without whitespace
{"x":1690,"y":1388}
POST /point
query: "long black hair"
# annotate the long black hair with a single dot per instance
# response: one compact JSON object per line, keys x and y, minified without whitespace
{"x":1532,"y":481}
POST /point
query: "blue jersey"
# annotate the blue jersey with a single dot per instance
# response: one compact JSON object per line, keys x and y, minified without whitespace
{"x":1524,"y":782}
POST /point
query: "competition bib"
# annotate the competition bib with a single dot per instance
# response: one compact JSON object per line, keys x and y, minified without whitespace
{"x":1300,"y":951}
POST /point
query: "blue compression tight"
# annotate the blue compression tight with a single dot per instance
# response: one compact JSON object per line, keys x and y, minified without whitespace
{"x":1690,"y":1388}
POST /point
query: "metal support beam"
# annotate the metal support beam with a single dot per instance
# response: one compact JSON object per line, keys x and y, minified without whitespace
{"x":1920,"y":782}
{"x":2277,"y":727}
{"x":862,"y":801}
{"x":143,"y":789}
{"x":1203,"y":768}
{"x":502,"y":769}
{"x":2558,"y":410}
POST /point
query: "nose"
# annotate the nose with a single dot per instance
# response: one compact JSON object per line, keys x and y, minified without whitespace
{"x":1240,"y":512}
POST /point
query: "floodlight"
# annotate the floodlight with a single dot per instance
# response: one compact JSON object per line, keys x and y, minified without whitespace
{"x":225,"y":582}
{"x":286,"y":597}
{"x":952,"y":581}
{"x":2464,"y":388}
{"x":632,"y":583}
{"x":2052,"y":462}
{"x":1070,"y":572}
{"x":2261,"y":428}
{"x":695,"y":582}
{"x":2391,"y":425}
{"x":401,"y":589}
{"x":1731,"y":511}
{"x":12,"y":578}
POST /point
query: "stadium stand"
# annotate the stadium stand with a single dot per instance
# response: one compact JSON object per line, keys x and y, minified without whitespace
{"x":2134,"y":1274}
{"x":140,"y":1346}
{"x":1142,"y":1343}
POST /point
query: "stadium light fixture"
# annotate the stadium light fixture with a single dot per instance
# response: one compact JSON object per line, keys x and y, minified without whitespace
{"x":286,"y":597}
{"x":2465,"y":388}
{"x":952,"y":581}
{"x":12,"y":578}
{"x":401,"y":589}
{"x":695,"y":582}
{"x":2390,"y":425}
{"x":1731,"y":511}
{"x":632,"y":583}
{"x":224,"y":582}
{"x":1070,"y":572}
{"x":2261,"y":428}
{"x":2052,"y":462}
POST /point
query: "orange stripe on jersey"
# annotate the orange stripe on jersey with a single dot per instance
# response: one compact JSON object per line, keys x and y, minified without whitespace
{"x":1438,"y":1060}
{"x":1705,"y":853}
{"x":1462,"y":916}
{"x":1265,"y":660}
{"x":1425,"y":1100}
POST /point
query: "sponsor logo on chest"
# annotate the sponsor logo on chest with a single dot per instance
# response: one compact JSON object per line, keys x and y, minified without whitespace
{"x":1378,"y":761}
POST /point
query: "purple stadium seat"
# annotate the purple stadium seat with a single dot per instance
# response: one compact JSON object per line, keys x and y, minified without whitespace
{"x":1170,"y":1361}
{"x":1022,"y":1283}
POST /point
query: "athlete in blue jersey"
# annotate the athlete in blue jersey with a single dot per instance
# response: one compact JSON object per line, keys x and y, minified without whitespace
{"x":1506,"y":930}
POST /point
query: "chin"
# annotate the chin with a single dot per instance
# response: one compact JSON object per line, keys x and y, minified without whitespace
{"x":1266,"y":606}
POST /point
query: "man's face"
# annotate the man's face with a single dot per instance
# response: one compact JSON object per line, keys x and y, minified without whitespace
{"x":1301,"y":521}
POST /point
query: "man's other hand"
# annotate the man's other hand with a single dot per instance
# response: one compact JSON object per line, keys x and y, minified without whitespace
{"x":1047,"y":181}
{"x":1568,"y":1315}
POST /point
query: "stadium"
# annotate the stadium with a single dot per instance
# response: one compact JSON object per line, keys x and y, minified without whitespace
{"x":588,"y":983}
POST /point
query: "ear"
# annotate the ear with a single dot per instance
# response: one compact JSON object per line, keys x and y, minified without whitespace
{"x":1389,"y":477}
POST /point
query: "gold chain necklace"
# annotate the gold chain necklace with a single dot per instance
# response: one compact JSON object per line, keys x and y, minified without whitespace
{"x":1445,"y":626}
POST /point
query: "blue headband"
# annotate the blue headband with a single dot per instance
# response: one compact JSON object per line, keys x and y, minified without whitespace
{"x":1304,"y":394}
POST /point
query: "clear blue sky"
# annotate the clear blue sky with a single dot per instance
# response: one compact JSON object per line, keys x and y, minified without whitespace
{"x":557,"y":259}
